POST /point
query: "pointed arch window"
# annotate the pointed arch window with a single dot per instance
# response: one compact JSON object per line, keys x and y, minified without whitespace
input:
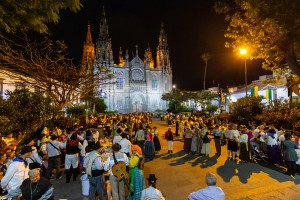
{"x":154,"y":84}
{"x":120,"y":80}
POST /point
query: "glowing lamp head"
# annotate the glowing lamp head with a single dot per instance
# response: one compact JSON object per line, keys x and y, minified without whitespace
{"x":243,"y":51}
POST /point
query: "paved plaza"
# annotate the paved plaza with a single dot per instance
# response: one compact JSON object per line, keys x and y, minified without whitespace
{"x":180,"y":173}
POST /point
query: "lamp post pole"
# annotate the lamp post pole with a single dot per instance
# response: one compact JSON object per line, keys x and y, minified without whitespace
{"x":246,"y":82}
{"x":244,"y":52}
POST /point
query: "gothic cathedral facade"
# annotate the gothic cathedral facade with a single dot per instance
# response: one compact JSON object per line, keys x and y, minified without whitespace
{"x":138,"y":83}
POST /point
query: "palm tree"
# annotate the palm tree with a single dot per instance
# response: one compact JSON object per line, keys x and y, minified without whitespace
{"x":206,"y":57}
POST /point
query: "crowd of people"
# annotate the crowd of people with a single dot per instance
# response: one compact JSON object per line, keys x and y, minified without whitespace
{"x":92,"y":151}
{"x":245,"y":143}
{"x":96,"y":152}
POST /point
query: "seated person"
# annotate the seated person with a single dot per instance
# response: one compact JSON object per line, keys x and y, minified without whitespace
{"x":210,"y":192}
{"x":36,"y":187}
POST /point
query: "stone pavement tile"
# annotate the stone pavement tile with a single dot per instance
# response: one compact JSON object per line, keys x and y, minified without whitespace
{"x":276,"y":195}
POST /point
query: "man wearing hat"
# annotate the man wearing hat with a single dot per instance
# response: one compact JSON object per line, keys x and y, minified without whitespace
{"x":151,"y":192}
{"x":34,"y":159}
{"x":17,"y":172}
{"x":94,"y":169}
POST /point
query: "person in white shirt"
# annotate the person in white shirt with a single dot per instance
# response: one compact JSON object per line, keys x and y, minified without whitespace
{"x":151,"y":192}
{"x":231,"y":142}
{"x":211,"y":192}
{"x":117,"y":186}
{"x":94,"y":169}
{"x":117,"y":137}
{"x":34,"y":160}
{"x":16,"y":172}
{"x":125,"y":145}
{"x":54,"y":150}
{"x":244,"y":146}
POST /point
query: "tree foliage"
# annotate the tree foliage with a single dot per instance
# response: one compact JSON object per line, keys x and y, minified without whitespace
{"x":33,"y":14}
{"x":94,"y":104}
{"x":268,"y":29}
{"x":24,"y":111}
{"x":46,"y":65}
{"x":202,"y":96}
{"x":245,"y":109}
{"x":177,"y":97}
{"x":280,"y":114}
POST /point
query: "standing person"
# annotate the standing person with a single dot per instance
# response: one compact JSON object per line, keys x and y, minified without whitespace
{"x":195,"y":146}
{"x":117,"y":136}
{"x":290,"y":155}
{"x":156,"y":141}
{"x":232,"y":145}
{"x":187,"y":139}
{"x":177,"y":127}
{"x":137,"y":180}
{"x":36,"y":187}
{"x":71,"y":161}
{"x":34,"y":160}
{"x":125,"y":145}
{"x":169,"y":137}
{"x":118,"y":191}
{"x":53,"y":149}
{"x":181,"y":128}
{"x":17,"y":172}
{"x":149,"y":145}
{"x":151,"y":192}
{"x":95,"y":169}
{"x":212,"y":191}
{"x":217,"y":137}
{"x":206,"y":145}
{"x":140,"y":137}
{"x":244,"y":146}
{"x":273,"y":148}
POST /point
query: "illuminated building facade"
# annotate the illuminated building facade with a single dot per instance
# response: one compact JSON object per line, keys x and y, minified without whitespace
{"x":139,"y":83}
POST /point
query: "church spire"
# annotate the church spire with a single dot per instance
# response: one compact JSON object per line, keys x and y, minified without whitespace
{"x":88,"y":39}
{"x":136,"y":50}
{"x":104,"y":54}
{"x":148,"y":59}
{"x":163,"y":37}
{"x":162,"y":52}
{"x":103,"y":34}
{"x":88,"y":54}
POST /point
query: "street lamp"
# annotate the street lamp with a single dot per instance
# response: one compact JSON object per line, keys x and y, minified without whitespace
{"x":174,"y":87}
{"x":244,"y":52}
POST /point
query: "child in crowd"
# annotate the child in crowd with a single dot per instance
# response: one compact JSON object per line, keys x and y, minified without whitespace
{"x":206,"y":145}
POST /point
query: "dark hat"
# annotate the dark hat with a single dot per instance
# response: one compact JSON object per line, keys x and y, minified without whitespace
{"x":53,"y":137}
{"x":152,"y":177}
{"x":97,"y":145}
{"x":116,"y":147}
{"x":27,"y":140}
{"x":272,"y":130}
{"x":26,"y":149}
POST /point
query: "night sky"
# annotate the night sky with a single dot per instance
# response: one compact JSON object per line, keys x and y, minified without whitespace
{"x":192,"y":26}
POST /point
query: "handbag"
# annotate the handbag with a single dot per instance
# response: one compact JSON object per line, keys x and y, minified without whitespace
{"x":34,"y":164}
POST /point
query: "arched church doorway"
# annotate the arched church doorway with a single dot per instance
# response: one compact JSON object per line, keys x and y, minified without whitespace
{"x":138,"y":103}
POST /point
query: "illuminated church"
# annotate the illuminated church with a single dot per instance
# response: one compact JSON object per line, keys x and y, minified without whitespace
{"x":139,"y":82}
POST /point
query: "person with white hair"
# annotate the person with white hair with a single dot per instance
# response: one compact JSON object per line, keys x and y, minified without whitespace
{"x":36,"y":187}
{"x":211,"y":192}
